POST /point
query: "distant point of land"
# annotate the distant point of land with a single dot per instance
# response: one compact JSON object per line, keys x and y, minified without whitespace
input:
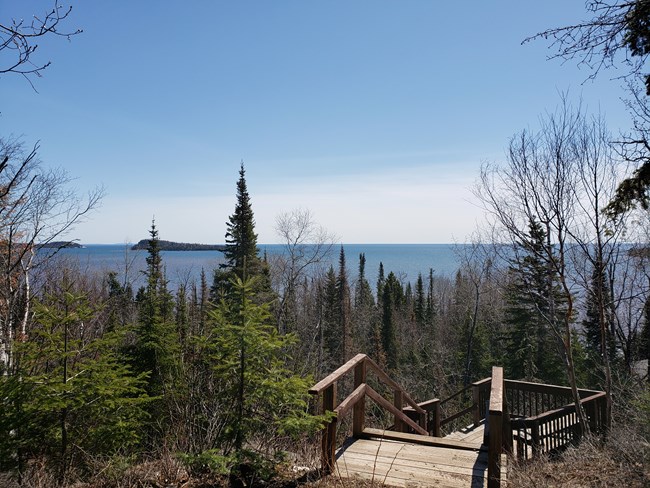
{"x":178,"y":246}
{"x":59,"y":245}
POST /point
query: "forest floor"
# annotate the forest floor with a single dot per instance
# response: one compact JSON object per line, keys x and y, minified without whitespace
{"x":624,"y":461}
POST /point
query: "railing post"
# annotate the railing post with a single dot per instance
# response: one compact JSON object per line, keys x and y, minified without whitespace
{"x":436,"y":420}
{"x":591,"y":411}
{"x":476,"y":396}
{"x":359,"y":411}
{"x":605,"y":421}
{"x":495,"y":421}
{"x":329,"y":433}
{"x":535,"y":439}
{"x":398,"y":401}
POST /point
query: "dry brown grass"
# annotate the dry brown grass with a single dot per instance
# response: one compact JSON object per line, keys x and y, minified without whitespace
{"x":624,"y":461}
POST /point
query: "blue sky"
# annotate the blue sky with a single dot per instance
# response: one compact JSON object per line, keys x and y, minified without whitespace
{"x":374,"y":115}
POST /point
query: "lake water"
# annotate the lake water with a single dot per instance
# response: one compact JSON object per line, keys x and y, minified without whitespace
{"x":405,"y":260}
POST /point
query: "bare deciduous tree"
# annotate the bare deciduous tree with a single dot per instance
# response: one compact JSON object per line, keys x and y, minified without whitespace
{"x":37,"y":207}
{"x":305,"y":245}
{"x":553,"y":177}
{"x":19,"y":40}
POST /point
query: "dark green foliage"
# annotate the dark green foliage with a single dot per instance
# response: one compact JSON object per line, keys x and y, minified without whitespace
{"x":432,"y":308}
{"x":363,"y":294}
{"x":241,"y":240}
{"x":535,"y":305}
{"x":332,"y":339}
{"x":262,"y":396}
{"x":380,"y":282}
{"x":240,"y":252}
{"x":631,"y":191}
{"x":72,"y":397}
{"x":393,"y":296}
{"x":364,"y":313}
{"x":420,"y":309}
{"x":344,"y":307}
{"x":121,"y":306}
{"x":156,"y":351}
{"x":637,"y":32}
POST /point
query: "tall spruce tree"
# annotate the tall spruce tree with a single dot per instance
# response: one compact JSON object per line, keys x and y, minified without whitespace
{"x":241,"y":253}
{"x":534,"y":301}
{"x":263,"y":397}
{"x":344,"y":307}
{"x":363,"y":293}
{"x":157,"y":344}
{"x":393,"y":296}
{"x":364,"y":310}
{"x":331,"y":335}
{"x":420,"y":307}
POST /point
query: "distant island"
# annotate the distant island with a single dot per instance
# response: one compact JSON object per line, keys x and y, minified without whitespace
{"x":59,"y":245}
{"x":178,"y":246}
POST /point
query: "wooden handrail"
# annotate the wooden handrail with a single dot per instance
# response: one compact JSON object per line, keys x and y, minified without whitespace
{"x":545,"y":388}
{"x":360,"y":364}
{"x":333,"y":377}
{"x":555,"y":429}
{"x":496,"y":422}
{"x":477,"y":388}
{"x":544,"y":432}
{"x":352,"y":399}
{"x":564,"y":408}
{"x":381,"y":401}
{"x":389,"y":382}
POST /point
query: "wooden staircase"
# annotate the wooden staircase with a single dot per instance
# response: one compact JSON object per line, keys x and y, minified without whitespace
{"x":413,"y":452}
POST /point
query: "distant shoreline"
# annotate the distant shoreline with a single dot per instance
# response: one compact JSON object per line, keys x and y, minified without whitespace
{"x":177,"y":246}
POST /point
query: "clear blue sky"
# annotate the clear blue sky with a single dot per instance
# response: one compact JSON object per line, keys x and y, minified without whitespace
{"x":375,"y":115}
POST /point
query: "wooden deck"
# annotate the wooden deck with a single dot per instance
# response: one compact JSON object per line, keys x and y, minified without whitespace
{"x":456,"y":461}
{"x":525,"y":419}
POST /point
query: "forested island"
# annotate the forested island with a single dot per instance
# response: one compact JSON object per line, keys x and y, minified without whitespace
{"x":143,"y":245}
{"x":60,"y":245}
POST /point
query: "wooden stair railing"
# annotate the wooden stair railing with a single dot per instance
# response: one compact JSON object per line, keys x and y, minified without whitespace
{"x":355,"y":401}
{"x":543,"y":420}
{"x":497,"y":431}
{"x":556,"y":429}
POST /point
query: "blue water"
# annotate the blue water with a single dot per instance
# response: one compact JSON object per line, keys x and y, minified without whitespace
{"x":405,"y":260}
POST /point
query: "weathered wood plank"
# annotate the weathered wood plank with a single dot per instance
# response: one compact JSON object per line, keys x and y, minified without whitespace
{"x":419,"y":453}
{"x":404,"y":464}
{"x":382,"y":471}
{"x":420,"y":439}
{"x":444,"y":463}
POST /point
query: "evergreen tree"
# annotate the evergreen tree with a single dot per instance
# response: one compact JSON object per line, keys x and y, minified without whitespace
{"x":157,"y":347}
{"x":182,"y":318}
{"x":380,"y":282}
{"x":332,"y":338}
{"x":420,"y":308}
{"x":263,"y":397}
{"x":241,"y":253}
{"x":431,"y":308}
{"x":534,"y":302}
{"x":644,"y":340}
{"x":73,"y":399}
{"x":363,"y":294}
{"x":344,"y":309}
{"x":364,"y":311}
{"x":391,"y":304}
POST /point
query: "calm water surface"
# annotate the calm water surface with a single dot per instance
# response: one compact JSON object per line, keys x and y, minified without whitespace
{"x":405,"y":260}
